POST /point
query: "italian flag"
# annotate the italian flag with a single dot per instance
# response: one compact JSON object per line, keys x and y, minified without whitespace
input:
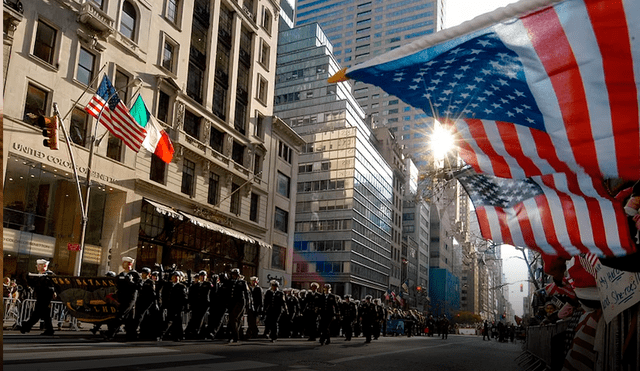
{"x":157,"y":140}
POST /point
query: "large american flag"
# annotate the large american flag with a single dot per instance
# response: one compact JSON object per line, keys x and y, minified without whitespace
{"x":558,"y":215}
{"x":115,"y":115}
{"x":552,"y":91}
{"x":541,"y":89}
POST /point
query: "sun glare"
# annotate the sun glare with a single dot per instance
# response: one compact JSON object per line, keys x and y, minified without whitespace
{"x":441,"y":141}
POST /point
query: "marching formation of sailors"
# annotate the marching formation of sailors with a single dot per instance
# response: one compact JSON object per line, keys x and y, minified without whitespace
{"x":153,"y":304}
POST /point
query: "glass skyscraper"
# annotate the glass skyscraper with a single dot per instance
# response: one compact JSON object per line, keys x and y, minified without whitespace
{"x":362,"y":29}
{"x":344,"y":190}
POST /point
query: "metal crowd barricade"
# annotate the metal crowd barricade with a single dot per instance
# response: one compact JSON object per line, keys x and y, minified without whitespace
{"x":17,"y":311}
{"x":11,"y":311}
{"x":620,"y":350}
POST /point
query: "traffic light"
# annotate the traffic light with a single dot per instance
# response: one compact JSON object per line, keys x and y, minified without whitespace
{"x":49,"y":127}
{"x":419,"y":288}
{"x":521,"y":288}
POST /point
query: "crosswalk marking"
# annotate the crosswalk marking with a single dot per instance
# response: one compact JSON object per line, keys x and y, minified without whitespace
{"x":112,"y":362}
{"x":86,"y":353}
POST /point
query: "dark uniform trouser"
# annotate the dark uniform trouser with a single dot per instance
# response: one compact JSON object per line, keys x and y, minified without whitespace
{"x":347,"y":328}
{"x":235,"y":320}
{"x":376,"y":329}
{"x":151,"y":323}
{"x":367,"y":330}
{"x":285,"y":325}
{"x":408,"y":327}
{"x":271,"y":325}
{"x":174,"y":317}
{"x":40,"y":311}
{"x":311,"y":324}
{"x":124,"y":316}
{"x":197,"y":316}
{"x":252,"y":319}
{"x":216,"y":314}
{"x":141,"y":311}
{"x":325,"y":328}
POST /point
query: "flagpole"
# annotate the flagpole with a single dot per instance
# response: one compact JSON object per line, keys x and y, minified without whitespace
{"x":85,"y":213}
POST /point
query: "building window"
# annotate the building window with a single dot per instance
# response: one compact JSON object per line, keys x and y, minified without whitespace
{"x":267,"y":20}
{"x":99,"y":3}
{"x":237,"y":153}
{"x":278,"y":257}
{"x":172,"y":10}
{"x":78,"y":127}
{"x":158,"y":169}
{"x":265,"y":51}
{"x":259,"y":129}
{"x":281,"y":220}
{"x":284,"y":185}
{"x":86,"y":64}
{"x":191,"y":124}
{"x":216,"y":139}
{"x":262,"y":89}
{"x":219,"y":99}
{"x":284,"y":151}
{"x":114,"y":148}
{"x":35,"y":104}
{"x":255,"y":205}
{"x":44,"y":47}
{"x":195,"y":77}
{"x":301,"y":267}
{"x":169,"y":53}
{"x":241,"y":116}
{"x":214,"y":188}
{"x":188,"y":177}
{"x":234,"y":207}
{"x":121,"y":84}
{"x":128,"y":20}
{"x":257,"y":166}
{"x":163,"y":107}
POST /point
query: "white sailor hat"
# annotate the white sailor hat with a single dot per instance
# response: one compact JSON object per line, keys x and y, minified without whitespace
{"x":42,"y":261}
{"x":128,"y":259}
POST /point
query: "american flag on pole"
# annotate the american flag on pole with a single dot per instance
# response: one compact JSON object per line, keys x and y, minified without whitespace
{"x":115,"y":115}
{"x":558,"y":214}
{"x":538,"y":87}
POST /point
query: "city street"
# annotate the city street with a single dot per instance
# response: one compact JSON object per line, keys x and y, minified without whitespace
{"x":81,"y":350}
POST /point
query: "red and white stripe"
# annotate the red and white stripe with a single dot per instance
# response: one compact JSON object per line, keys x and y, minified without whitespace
{"x":579,"y":61}
{"x":572,"y":216}
{"x":583,"y":354}
{"x":119,"y":122}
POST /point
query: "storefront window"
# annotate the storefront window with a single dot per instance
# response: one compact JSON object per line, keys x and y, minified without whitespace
{"x":29,"y":194}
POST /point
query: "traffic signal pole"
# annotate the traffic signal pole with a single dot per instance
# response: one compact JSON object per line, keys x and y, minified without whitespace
{"x":56,"y":112}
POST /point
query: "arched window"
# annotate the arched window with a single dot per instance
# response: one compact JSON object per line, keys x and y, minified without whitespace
{"x":128,"y":21}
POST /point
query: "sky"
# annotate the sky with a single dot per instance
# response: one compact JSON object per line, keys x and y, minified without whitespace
{"x":514,"y":267}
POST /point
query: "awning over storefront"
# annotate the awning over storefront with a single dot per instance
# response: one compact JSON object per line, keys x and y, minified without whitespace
{"x":165,"y":210}
{"x":224,"y":230}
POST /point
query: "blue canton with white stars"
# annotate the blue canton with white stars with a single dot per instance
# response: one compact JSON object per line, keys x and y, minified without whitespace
{"x":486,"y":190}
{"x":106,"y":90}
{"x":480,"y":78}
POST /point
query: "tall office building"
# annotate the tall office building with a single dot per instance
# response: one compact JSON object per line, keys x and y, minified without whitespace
{"x":344,"y":200}
{"x":362,"y":29}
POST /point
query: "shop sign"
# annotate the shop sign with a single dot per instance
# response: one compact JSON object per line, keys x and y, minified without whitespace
{"x":73,"y":246}
{"x":27,"y":243}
